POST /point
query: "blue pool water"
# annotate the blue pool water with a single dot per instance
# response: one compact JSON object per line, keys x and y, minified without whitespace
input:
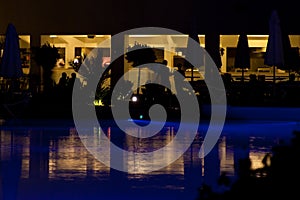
{"x":47,"y":160}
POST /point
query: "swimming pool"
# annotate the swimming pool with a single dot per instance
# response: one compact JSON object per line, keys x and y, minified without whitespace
{"x":46,"y":159}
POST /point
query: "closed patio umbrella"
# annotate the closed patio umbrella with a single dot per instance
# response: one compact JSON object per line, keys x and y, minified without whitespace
{"x":242,"y":56}
{"x":11,"y":71}
{"x":11,"y":65}
{"x":193,"y":44}
{"x":274,"y":54}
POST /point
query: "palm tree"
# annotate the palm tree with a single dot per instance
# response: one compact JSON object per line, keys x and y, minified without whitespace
{"x":140,"y":54}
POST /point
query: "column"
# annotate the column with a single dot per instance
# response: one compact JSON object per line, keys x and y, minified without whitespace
{"x":212,"y":46}
{"x":117,"y":66}
{"x":35,"y":72}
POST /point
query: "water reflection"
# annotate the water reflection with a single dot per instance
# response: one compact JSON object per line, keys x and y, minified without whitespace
{"x":46,"y":154}
{"x":69,"y":160}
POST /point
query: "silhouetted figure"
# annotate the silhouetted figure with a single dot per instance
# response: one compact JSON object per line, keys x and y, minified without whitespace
{"x":227,"y":79}
{"x":180,"y":69}
{"x":165,"y":75}
{"x":228,"y":84}
{"x":179,"y":79}
{"x":262,"y":90}
{"x":72,"y":80}
{"x":63,"y":97}
{"x":292,"y":78}
{"x":289,"y":91}
{"x":63,"y":81}
{"x":252,"y":91}
{"x":252,"y":79}
{"x":223,"y":183}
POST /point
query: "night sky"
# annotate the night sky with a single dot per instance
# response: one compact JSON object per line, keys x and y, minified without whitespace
{"x":109,"y":17}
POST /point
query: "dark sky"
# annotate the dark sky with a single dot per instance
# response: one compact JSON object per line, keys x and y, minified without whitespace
{"x":99,"y":16}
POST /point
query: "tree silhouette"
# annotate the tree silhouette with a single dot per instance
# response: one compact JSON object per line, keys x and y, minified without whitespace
{"x":46,"y":56}
{"x":140,"y":54}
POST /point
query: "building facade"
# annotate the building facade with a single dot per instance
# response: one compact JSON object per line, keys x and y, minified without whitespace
{"x":68,"y":24}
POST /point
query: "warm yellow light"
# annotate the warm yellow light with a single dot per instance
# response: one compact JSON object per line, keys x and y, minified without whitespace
{"x":258,"y":36}
{"x":98,"y":103}
{"x":142,"y":36}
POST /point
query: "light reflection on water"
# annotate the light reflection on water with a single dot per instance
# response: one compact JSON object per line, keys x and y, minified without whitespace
{"x":57,"y":154}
